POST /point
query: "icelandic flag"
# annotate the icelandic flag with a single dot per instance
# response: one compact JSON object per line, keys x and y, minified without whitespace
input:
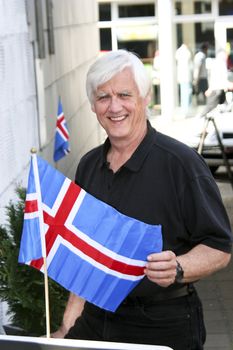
{"x":61,"y":146}
{"x":92,"y":249}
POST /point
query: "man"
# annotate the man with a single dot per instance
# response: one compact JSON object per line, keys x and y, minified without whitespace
{"x":200,"y":73}
{"x":156,"y":179}
{"x":218,"y":83}
{"x":184,"y":76}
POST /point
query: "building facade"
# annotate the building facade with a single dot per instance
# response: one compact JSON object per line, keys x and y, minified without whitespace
{"x":151,"y":26}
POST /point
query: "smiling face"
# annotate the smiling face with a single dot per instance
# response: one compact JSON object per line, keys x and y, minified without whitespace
{"x":119,"y":108}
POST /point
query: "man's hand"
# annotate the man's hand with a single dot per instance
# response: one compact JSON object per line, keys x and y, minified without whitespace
{"x":201,"y":261}
{"x":208,"y":92}
{"x":161,"y":268}
{"x":230,"y":85}
{"x":60,"y":333}
{"x":73,"y":310}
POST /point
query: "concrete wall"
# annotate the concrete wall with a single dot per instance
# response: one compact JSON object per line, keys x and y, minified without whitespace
{"x":18,"y":107}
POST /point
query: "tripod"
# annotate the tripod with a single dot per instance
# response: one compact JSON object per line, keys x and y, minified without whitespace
{"x":209,"y":119}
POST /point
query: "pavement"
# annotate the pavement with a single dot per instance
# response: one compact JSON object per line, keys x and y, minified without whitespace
{"x":215,"y":291}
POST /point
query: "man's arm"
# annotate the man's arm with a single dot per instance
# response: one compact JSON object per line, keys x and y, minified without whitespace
{"x":199,"y":262}
{"x":73,"y":310}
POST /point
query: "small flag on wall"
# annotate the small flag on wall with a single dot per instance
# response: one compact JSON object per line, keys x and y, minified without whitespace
{"x":61,"y":146}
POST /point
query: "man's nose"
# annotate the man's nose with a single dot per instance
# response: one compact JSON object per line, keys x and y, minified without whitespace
{"x":115,"y":105}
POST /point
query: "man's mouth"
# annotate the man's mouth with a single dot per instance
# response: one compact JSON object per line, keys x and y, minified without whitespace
{"x":118,"y":118}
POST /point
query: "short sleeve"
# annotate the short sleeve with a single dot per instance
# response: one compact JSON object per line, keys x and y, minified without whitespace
{"x":204,"y":214}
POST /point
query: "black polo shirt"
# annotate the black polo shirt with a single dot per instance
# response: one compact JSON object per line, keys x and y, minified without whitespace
{"x":164,"y":182}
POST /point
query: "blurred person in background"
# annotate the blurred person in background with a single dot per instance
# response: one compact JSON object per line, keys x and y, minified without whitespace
{"x":184,"y":76}
{"x":200,"y":74}
{"x":218,"y":83}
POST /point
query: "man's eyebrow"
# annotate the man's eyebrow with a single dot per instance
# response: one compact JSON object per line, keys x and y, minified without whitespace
{"x":126,"y":92}
{"x":101,"y":94}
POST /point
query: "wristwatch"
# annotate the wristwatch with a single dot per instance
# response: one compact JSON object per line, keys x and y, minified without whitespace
{"x":179,"y":273}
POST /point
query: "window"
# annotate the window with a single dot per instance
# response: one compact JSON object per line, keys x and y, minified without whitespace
{"x":105,"y":12}
{"x":226,"y":7}
{"x":105,"y":39}
{"x":144,"y":49}
{"x":191,"y":7}
{"x":201,"y":33}
{"x":146,"y":10}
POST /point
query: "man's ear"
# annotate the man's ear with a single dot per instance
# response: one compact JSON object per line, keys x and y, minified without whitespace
{"x":93,"y":108}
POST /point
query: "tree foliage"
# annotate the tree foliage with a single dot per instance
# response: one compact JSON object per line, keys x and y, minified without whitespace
{"x":22,"y":286}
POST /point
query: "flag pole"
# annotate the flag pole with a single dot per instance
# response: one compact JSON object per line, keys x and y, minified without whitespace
{"x":46,"y":285}
{"x":43,"y":243}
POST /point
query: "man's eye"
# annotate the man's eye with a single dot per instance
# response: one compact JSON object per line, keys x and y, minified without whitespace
{"x":124,"y":94}
{"x":104,"y":97}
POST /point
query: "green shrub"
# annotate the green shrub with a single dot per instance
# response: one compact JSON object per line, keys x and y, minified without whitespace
{"x":21,"y":286}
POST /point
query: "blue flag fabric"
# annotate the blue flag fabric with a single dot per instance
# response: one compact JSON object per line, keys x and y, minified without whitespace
{"x":61,"y":146}
{"x":92,"y":250}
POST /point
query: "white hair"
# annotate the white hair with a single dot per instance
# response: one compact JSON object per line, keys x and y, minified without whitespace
{"x":112,"y":63}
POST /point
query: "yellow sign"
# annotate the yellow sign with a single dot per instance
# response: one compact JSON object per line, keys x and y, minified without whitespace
{"x":133,"y":33}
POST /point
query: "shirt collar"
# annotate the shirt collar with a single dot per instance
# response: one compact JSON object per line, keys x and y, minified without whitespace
{"x":137,"y":159}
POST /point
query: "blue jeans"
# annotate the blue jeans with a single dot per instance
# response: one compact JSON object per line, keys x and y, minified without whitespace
{"x":177,"y":323}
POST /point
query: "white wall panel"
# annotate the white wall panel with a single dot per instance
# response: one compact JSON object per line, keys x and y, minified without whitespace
{"x":28,"y":105}
{"x":18,"y":111}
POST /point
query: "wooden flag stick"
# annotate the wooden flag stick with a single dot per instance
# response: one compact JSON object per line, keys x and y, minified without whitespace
{"x":43,"y":243}
{"x":46,"y":286}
